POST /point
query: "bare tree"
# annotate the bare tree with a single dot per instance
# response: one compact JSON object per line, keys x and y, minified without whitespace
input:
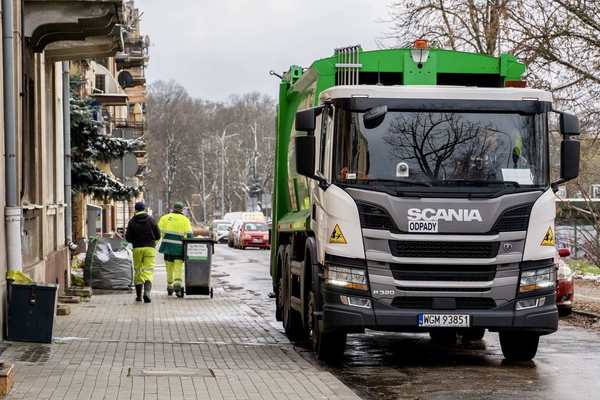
{"x":200,"y":147}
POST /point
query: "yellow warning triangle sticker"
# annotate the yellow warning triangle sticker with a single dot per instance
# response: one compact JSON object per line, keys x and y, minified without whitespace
{"x":337,"y":236}
{"x":549,"y":238}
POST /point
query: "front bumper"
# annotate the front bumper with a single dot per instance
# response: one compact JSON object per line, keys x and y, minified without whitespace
{"x":383,"y":317}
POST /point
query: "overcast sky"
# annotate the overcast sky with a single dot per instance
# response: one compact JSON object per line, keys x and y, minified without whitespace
{"x":216,"y":48}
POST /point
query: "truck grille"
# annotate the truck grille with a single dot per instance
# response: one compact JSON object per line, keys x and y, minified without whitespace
{"x":436,"y":249}
{"x":514,"y":219}
{"x":374,"y":217}
{"x":453,"y":273}
{"x":444,"y":303}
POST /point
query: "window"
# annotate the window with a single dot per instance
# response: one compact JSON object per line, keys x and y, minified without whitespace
{"x":444,"y":150}
{"x":255,"y":227}
{"x":100,"y":83}
{"x":595,"y":191}
{"x":325,"y":121}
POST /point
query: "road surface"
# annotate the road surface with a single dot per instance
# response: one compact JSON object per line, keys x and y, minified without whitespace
{"x":409,"y":366}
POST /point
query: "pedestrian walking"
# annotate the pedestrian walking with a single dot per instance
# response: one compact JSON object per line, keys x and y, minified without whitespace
{"x":174,"y":228}
{"x":142,"y":233}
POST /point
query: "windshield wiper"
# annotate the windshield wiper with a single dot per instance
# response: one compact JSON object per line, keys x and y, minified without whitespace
{"x":394,"y":181}
{"x":480,"y":182}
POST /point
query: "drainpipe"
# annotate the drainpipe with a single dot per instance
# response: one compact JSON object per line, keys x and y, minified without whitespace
{"x":66,"y":95}
{"x":12,"y":212}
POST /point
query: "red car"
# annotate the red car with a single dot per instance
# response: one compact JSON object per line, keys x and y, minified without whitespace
{"x":565,"y":289}
{"x":253,"y":234}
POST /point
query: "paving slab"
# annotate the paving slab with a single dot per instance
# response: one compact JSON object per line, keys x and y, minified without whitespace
{"x":191,"y":348}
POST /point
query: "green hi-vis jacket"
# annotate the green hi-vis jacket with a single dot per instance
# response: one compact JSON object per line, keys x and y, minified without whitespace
{"x":174,"y":227}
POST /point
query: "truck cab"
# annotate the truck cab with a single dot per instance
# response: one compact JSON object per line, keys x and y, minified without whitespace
{"x":428,"y":208}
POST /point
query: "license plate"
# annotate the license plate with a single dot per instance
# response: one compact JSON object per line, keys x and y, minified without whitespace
{"x":257,"y":240}
{"x":444,"y":320}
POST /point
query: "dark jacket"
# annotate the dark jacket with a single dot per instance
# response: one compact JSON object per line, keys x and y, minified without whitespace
{"x":142,"y":231}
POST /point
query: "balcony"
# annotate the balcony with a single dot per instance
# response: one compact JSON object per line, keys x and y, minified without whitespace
{"x":131,"y":60}
{"x":73,"y":29}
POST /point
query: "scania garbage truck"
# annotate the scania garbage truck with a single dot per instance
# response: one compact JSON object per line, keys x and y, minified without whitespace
{"x":413,"y":193}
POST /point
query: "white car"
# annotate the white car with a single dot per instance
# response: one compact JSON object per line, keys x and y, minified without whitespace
{"x":220,"y":231}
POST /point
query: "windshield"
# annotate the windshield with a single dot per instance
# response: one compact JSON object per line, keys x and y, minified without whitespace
{"x":255,"y":227}
{"x":425,"y":148}
{"x":223,"y":227}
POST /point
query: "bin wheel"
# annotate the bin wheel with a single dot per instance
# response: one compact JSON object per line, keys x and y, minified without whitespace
{"x":211,"y":293}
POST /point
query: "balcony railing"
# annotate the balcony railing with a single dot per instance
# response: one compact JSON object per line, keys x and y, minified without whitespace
{"x":128,"y":123}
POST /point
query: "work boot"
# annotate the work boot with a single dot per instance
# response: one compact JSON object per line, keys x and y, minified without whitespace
{"x":169,"y":291}
{"x":138,"y":292}
{"x":178,"y":290}
{"x":147,"y":290}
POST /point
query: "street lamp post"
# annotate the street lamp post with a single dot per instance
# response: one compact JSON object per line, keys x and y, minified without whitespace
{"x":222,"y":140}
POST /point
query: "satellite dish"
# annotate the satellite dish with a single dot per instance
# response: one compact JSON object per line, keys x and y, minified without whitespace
{"x":125,"y":79}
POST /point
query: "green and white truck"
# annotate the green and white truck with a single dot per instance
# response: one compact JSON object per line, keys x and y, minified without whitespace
{"x":413,"y":194}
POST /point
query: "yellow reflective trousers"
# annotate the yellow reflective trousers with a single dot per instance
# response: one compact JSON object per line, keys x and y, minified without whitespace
{"x":174,"y":273}
{"x":143,"y":264}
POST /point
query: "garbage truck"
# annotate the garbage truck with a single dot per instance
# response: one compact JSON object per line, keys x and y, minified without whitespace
{"x":413,"y":193}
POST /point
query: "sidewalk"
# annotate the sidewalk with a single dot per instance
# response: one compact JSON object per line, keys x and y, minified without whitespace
{"x":195,"y":348}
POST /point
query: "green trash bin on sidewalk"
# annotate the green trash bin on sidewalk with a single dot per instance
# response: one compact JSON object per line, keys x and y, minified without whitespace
{"x":197,"y":254}
{"x":31,"y":311}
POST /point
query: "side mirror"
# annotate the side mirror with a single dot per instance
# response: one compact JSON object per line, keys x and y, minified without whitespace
{"x":569,"y":160}
{"x":306,"y":120}
{"x":305,"y":159}
{"x":569,"y":124}
{"x":305,"y":155}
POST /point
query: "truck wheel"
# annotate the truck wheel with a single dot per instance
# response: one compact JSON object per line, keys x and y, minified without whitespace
{"x":443,"y":336}
{"x":327,"y":346}
{"x":519,"y":346}
{"x":292,"y":322}
{"x":473,"y":334}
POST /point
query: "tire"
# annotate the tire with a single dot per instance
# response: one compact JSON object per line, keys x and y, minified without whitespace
{"x":277,"y":289}
{"x":443,"y":336}
{"x":564,"y":311}
{"x":229,"y":244}
{"x":292,"y":322}
{"x":519,"y":346}
{"x":473,"y":334}
{"x":327,"y":346}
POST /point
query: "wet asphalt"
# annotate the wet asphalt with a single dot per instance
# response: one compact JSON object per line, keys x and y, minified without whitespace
{"x":379,"y":365}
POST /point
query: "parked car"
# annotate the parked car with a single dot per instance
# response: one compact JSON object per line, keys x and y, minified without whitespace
{"x":565,"y":289}
{"x":233,"y":230}
{"x":252,"y":234}
{"x":219,"y":231}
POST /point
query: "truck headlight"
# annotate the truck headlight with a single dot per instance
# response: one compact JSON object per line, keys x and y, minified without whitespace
{"x":537,"y":279}
{"x":347,"y":277}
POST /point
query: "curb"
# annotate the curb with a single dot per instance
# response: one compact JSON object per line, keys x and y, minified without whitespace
{"x":586,"y":314}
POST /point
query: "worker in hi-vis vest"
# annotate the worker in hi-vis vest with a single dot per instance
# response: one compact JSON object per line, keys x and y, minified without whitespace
{"x":174,"y":228}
